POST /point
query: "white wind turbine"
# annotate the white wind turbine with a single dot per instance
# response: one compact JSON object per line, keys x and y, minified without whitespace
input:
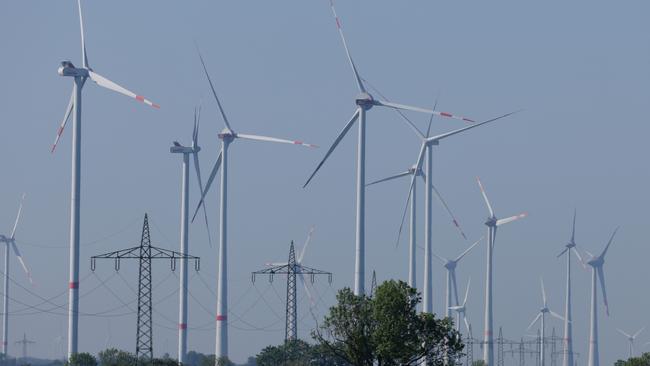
{"x":461,"y":310}
{"x":411,"y":202}
{"x":10,"y":241}
{"x":492,"y":223}
{"x":541,"y":316}
{"x":80,"y":75}
{"x":227,"y":136}
{"x":597,"y":275}
{"x":450,"y":267}
{"x":426,"y":149}
{"x":192,"y":150}
{"x":631,"y":339}
{"x":568,"y":326}
{"x":364,"y":101}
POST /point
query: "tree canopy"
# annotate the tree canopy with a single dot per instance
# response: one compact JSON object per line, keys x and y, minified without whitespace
{"x":387,"y":328}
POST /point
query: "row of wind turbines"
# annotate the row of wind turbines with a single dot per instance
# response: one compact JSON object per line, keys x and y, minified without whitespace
{"x":423,"y":168}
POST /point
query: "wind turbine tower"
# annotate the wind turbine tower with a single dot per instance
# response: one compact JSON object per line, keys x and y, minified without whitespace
{"x":80,"y":75}
{"x":568,"y":355}
{"x":492,"y":223}
{"x":631,"y":339}
{"x":227,"y":137}
{"x":10,"y":241}
{"x":186,"y":151}
{"x":541,"y":316}
{"x":597,"y":275}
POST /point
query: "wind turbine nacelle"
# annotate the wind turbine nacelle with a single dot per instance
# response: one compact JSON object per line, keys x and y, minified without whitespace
{"x":180,"y":149}
{"x":364,"y":100}
{"x":68,"y":69}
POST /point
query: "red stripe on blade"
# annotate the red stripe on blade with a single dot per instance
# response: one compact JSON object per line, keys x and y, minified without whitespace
{"x":445,"y":114}
{"x":140,"y":98}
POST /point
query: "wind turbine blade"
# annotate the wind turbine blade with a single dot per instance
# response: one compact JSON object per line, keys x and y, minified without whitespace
{"x":623,"y":333}
{"x":408,"y":197}
{"x":539,"y":315}
{"x":404,"y":174}
{"x":195,"y":130}
{"x":104,"y":82}
{"x":276,"y":264}
{"x":573,"y":229}
{"x":511,"y":219}
{"x":435,"y":105}
{"x":312,"y":303}
{"x":454,"y":132}
{"x":451,"y":214}
{"x":601,"y":278}
{"x":441,"y":259}
{"x":562,"y":252}
{"x":469,"y":281}
{"x":577,"y":253}
{"x":357,"y":78}
{"x":215,"y":169}
{"x":20,"y":211}
{"x":214,"y":92}
{"x":22,"y":262}
{"x":304,"y":247}
{"x":602,"y":255}
{"x":469,"y":328}
{"x":468,"y":250}
{"x":271,"y":139}
{"x":385,"y":103}
{"x":199,"y":180}
{"x":638,"y":332}
{"x":66,"y":117}
{"x":83,"y":37}
{"x":485,"y":197}
{"x":541,"y":281}
{"x":556,"y":315}
{"x":334,"y":144}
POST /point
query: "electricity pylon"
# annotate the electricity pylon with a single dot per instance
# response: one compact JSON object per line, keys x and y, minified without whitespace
{"x":293,"y":268}
{"x":144,"y":254}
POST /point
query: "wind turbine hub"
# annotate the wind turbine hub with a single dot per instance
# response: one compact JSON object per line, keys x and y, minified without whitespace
{"x":491,"y":221}
{"x":364,"y":100}
{"x":68,"y":69}
{"x":226,"y":135}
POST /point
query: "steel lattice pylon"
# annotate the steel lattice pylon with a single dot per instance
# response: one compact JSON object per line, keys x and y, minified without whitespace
{"x":144,"y":254}
{"x":292,"y":269}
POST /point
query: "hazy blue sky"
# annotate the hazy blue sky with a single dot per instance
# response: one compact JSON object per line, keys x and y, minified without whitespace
{"x":579,"y":69}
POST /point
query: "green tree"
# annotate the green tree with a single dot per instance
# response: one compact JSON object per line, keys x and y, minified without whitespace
{"x":82,"y":359}
{"x":347,"y":329}
{"x":388,"y":329}
{"x":296,"y":353}
{"x":478,"y":363}
{"x":115,"y":357}
{"x":643,"y":360}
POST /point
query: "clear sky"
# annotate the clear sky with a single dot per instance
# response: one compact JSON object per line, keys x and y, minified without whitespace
{"x":579,"y":69}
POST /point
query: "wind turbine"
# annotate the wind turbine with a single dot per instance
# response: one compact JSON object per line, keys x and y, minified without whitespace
{"x":192,"y":150}
{"x":364,"y":101}
{"x":450,"y":267}
{"x":11,"y":241}
{"x":227,"y":136}
{"x":427,"y":149}
{"x":597,"y":275}
{"x":492,"y":223}
{"x":541,"y":317}
{"x":413,"y":212}
{"x":630,"y":339}
{"x":80,"y":75}
{"x":568,"y":326}
{"x":461,"y":310}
